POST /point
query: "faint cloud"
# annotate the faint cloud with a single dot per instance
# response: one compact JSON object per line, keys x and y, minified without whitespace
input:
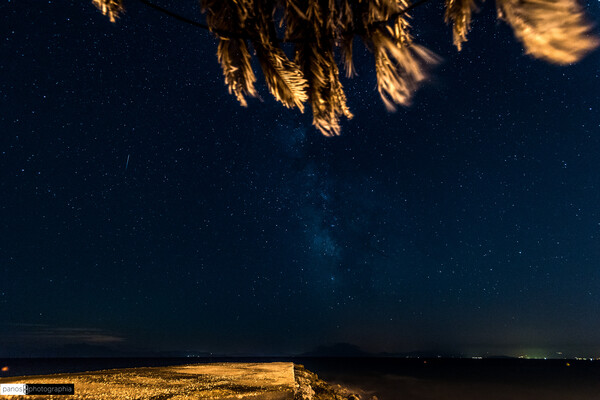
{"x":48,"y":334}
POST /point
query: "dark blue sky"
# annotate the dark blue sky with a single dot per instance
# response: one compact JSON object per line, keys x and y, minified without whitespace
{"x":142,"y":208}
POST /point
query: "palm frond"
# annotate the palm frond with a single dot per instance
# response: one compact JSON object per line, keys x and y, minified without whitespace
{"x":400,"y":70}
{"x":232,"y":53}
{"x":346,"y":41}
{"x":284,"y":77}
{"x":458,"y":12}
{"x":111,"y":8}
{"x":319,"y":21}
{"x":234,"y":58}
{"x":400,"y":65}
{"x":327,"y":97}
{"x":553,"y":30}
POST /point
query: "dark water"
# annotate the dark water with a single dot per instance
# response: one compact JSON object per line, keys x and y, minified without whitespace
{"x":464,"y":379}
{"x":393,"y":379}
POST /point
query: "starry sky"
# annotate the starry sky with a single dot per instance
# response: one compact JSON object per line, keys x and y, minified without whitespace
{"x":141,"y":208}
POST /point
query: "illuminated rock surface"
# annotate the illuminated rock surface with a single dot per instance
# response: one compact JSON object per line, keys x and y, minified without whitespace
{"x":260,"y":381}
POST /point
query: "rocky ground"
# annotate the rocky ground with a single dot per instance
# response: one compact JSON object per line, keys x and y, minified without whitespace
{"x":257,"y":381}
{"x":310,"y":387}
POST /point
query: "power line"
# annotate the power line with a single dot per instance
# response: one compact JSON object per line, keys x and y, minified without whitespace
{"x":174,"y":15}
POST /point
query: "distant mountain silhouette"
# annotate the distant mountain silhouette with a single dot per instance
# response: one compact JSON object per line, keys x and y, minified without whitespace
{"x":337,"y":350}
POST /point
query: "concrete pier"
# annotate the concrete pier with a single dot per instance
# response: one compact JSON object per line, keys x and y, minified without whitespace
{"x":258,"y":381}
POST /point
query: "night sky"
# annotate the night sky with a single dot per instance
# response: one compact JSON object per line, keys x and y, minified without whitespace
{"x":142,"y":209}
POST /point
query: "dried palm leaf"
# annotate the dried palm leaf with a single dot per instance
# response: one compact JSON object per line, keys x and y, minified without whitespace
{"x":234,"y":58}
{"x":327,"y":98}
{"x":232,"y":53}
{"x":111,"y":8}
{"x":348,"y":57}
{"x":227,"y":15}
{"x":400,"y":65}
{"x":284,"y":78}
{"x":400,"y":69}
{"x":382,"y":10}
{"x":318,"y":21}
{"x":553,"y":30}
{"x":459,"y":13}
{"x":346,"y":40}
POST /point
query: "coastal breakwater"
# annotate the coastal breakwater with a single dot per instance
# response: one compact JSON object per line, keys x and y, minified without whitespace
{"x":257,"y":381}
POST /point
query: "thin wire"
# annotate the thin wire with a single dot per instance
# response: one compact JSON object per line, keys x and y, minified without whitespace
{"x":191,"y":22}
{"x":176,"y":16}
{"x":239,"y":35}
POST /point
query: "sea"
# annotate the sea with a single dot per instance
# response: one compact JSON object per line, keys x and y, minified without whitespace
{"x":389,"y":378}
